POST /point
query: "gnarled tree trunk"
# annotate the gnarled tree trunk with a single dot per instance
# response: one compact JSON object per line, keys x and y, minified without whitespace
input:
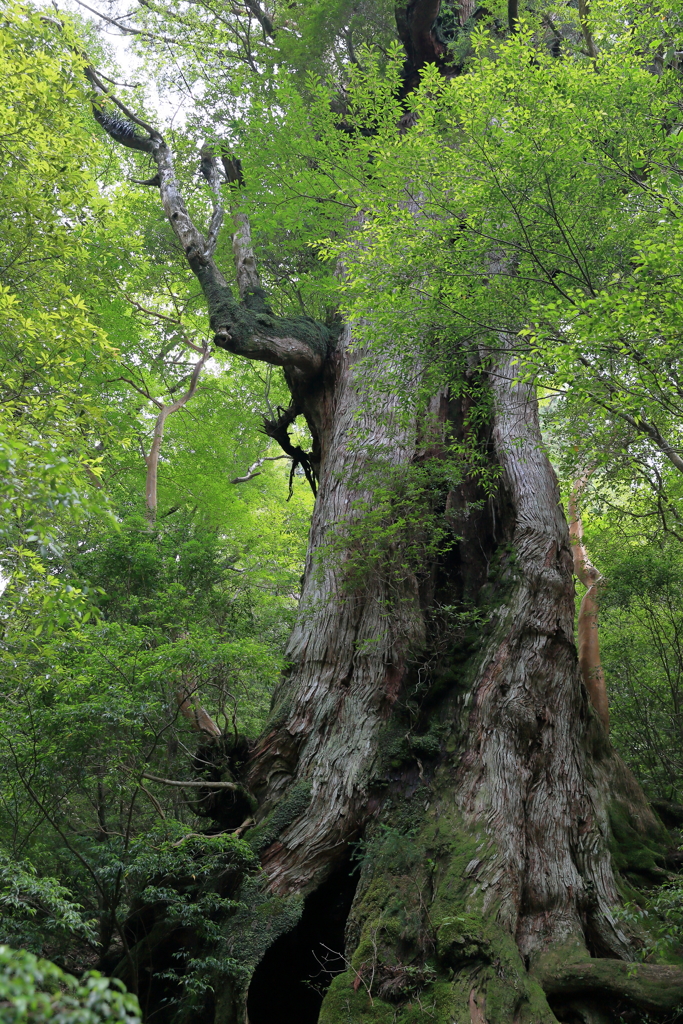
{"x":486,"y":870}
{"x":348,"y":652}
{"x":437,"y":720}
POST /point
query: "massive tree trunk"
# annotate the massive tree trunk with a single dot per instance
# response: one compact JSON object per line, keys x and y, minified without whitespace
{"x":349,"y":650}
{"x":435,"y":718}
{"x":486,"y":818}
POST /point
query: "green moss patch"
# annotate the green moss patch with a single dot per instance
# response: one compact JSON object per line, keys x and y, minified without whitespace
{"x":287,"y":810}
{"x":632,"y":852}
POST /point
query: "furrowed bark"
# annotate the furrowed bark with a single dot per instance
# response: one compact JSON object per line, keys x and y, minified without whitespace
{"x":511,"y":878}
{"x":529,"y":707}
{"x":347,"y":655}
{"x":506,"y":877}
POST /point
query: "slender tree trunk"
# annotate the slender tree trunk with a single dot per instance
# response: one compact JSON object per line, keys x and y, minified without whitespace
{"x":152,"y":460}
{"x":152,"y":463}
{"x":588,"y":636}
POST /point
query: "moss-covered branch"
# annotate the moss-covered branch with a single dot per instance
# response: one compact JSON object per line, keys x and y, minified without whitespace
{"x":248,"y":328}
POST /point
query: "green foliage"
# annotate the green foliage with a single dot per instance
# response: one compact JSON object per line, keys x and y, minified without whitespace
{"x":51,"y":351}
{"x":35,"y":910}
{"x":89,"y":709}
{"x":658,"y":923}
{"x":536,"y":198}
{"x":398,"y":525}
{"x":182,"y":875}
{"x":34,"y":991}
{"x":107,"y":618}
{"x":532,"y":197}
{"x":640,"y":629}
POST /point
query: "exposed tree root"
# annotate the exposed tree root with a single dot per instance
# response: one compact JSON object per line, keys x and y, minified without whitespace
{"x":650,"y":987}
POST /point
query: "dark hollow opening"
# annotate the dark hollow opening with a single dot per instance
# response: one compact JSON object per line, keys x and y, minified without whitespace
{"x":289,"y":984}
{"x":578,"y":1010}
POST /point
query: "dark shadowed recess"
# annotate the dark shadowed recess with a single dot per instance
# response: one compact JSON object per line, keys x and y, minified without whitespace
{"x":289,"y":984}
{"x":606,"y":1011}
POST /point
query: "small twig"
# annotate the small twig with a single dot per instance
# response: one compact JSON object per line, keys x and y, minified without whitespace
{"x":154,"y":801}
{"x":359,"y":979}
{"x":123,"y":85}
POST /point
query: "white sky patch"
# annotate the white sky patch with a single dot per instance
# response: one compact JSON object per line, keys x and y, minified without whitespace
{"x":165,"y":108}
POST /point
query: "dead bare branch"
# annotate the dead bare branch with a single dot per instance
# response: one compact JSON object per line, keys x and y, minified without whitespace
{"x":251,"y":472}
{"x":234,"y":786}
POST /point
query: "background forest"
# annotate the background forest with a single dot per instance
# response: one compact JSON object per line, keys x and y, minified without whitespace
{"x":153,"y":534}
